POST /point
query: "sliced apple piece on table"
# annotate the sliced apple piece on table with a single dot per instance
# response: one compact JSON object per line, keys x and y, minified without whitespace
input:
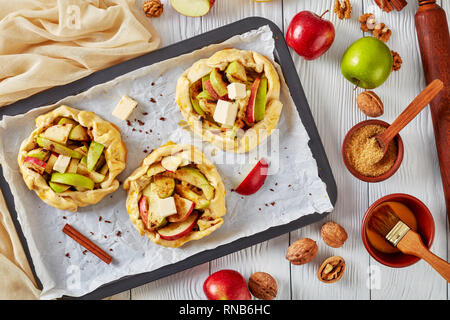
{"x":194,"y":177}
{"x":177,"y":230}
{"x":39,"y":153}
{"x":51,"y":162}
{"x":94,"y":153}
{"x":154,"y":169}
{"x":57,"y":148}
{"x":79,"y":133}
{"x":58,"y":187}
{"x":219,"y":86}
{"x":236,"y":71}
{"x":252,"y":101}
{"x":255,"y":178}
{"x":58,"y":133}
{"x":165,"y":186}
{"x":184,"y":208}
{"x":35,"y":164}
{"x":192,"y":8}
{"x":200,"y":202}
{"x":73,"y":179}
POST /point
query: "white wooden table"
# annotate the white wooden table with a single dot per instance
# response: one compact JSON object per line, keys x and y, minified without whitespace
{"x":332,"y":101}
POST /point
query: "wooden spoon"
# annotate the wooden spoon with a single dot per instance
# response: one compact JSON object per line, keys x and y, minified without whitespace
{"x":411,"y":111}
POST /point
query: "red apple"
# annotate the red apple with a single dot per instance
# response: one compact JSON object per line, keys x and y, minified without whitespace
{"x":184,"y":208}
{"x":252,"y":101}
{"x":226,"y":285}
{"x":177,"y":230}
{"x":143,"y":209}
{"x":35,"y":164}
{"x":310,"y":35}
{"x":254,"y":179}
{"x":210,"y":89}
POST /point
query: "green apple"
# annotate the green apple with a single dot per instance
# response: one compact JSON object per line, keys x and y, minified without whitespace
{"x":58,"y":148}
{"x":367,"y":63}
{"x":185,"y":192}
{"x":67,"y":121}
{"x":219,"y":86}
{"x":236,"y":72}
{"x":205,"y":95}
{"x":204,"y":79}
{"x":79,"y":133}
{"x":58,"y":187}
{"x":73,"y":179}
{"x":94,"y":153}
{"x":164,"y":186}
{"x":194,"y":90}
{"x":94,"y":176}
{"x":261,"y":99}
{"x":194,"y":177}
{"x":154,"y":220}
{"x":39,"y":153}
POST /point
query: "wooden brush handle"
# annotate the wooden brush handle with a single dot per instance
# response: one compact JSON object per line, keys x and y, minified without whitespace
{"x":434,"y":43}
{"x":411,"y":111}
{"x":412,"y":244}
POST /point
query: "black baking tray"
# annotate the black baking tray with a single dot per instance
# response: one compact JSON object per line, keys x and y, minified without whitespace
{"x":282,"y":57}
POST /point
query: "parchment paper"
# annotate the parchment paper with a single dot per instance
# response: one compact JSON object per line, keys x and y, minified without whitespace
{"x":64,"y":268}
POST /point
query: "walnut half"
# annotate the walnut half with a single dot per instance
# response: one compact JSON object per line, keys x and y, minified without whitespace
{"x":331,"y":270}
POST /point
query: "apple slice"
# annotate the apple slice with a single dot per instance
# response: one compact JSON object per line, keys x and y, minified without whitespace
{"x":58,"y":187}
{"x":39,"y":153}
{"x":174,"y":231}
{"x":143,"y":209}
{"x":73,"y":179}
{"x":171,"y":163}
{"x":79,"y":133}
{"x":94,"y":153}
{"x":184,"y":208}
{"x":255,"y":179}
{"x":51,"y":162}
{"x":192,"y":8}
{"x":210,"y":89}
{"x":251,"y":103}
{"x":260,"y":101}
{"x":57,"y":148}
{"x":35,"y":164}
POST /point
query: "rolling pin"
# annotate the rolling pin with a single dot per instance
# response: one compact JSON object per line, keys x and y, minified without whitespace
{"x":434,"y":43}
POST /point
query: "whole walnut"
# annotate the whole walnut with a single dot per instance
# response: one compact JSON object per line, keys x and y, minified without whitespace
{"x":263,"y":286}
{"x":302,"y":251}
{"x":333,"y":234}
{"x":370,"y":103}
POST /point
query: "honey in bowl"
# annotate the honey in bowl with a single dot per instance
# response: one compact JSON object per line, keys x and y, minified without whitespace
{"x":405,"y":214}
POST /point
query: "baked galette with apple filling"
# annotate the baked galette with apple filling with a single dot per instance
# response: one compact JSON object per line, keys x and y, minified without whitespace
{"x":175,"y":196}
{"x":231,"y":99}
{"x":72,"y":158}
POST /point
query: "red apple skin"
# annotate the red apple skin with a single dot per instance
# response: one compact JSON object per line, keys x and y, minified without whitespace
{"x":255,"y":179}
{"x":251,"y":101}
{"x":143,"y":209}
{"x":310,"y":35}
{"x":183,"y":233}
{"x":177,"y":218}
{"x":37,"y":163}
{"x":226,"y":285}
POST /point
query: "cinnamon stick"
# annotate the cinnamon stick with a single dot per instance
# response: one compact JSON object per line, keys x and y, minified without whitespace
{"x":85,"y":242}
{"x":385,"y":5}
{"x":398,"y":4}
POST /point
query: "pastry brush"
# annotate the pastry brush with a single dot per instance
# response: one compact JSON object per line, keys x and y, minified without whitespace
{"x":386,"y":223}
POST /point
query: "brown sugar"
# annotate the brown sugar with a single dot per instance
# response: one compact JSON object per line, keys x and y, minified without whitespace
{"x":366,"y":156}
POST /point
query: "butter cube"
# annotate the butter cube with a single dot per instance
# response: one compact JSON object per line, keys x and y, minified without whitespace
{"x":237,"y":90}
{"x":124,"y":108}
{"x":166,"y":207}
{"x":61,"y":163}
{"x":225,"y":113}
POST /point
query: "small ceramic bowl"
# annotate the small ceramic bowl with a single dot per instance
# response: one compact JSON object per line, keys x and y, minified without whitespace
{"x":385,"y":175}
{"x":425,"y":226}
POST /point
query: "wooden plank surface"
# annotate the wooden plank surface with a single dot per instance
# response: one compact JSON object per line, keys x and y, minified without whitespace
{"x":332,"y":100}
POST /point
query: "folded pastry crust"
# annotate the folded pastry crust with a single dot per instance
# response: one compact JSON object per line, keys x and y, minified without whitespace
{"x":253,"y":136}
{"x":102,"y":132}
{"x":208,"y":221}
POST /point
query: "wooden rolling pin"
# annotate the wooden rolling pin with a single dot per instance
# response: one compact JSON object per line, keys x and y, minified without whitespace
{"x":434,"y":43}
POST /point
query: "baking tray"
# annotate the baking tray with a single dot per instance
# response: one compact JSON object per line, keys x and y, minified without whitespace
{"x":282,"y":57}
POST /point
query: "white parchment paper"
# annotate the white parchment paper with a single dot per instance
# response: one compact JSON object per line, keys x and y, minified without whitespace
{"x":64,"y":268}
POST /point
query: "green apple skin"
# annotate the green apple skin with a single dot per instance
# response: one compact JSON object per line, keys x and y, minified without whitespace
{"x":94,"y":153}
{"x":367,"y":63}
{"x":72,"y":179}
{"x":58,"y":148}
{"x":260,"y":101}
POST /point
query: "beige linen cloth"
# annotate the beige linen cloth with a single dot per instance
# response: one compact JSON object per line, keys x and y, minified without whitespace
{"x":46,"y":43}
